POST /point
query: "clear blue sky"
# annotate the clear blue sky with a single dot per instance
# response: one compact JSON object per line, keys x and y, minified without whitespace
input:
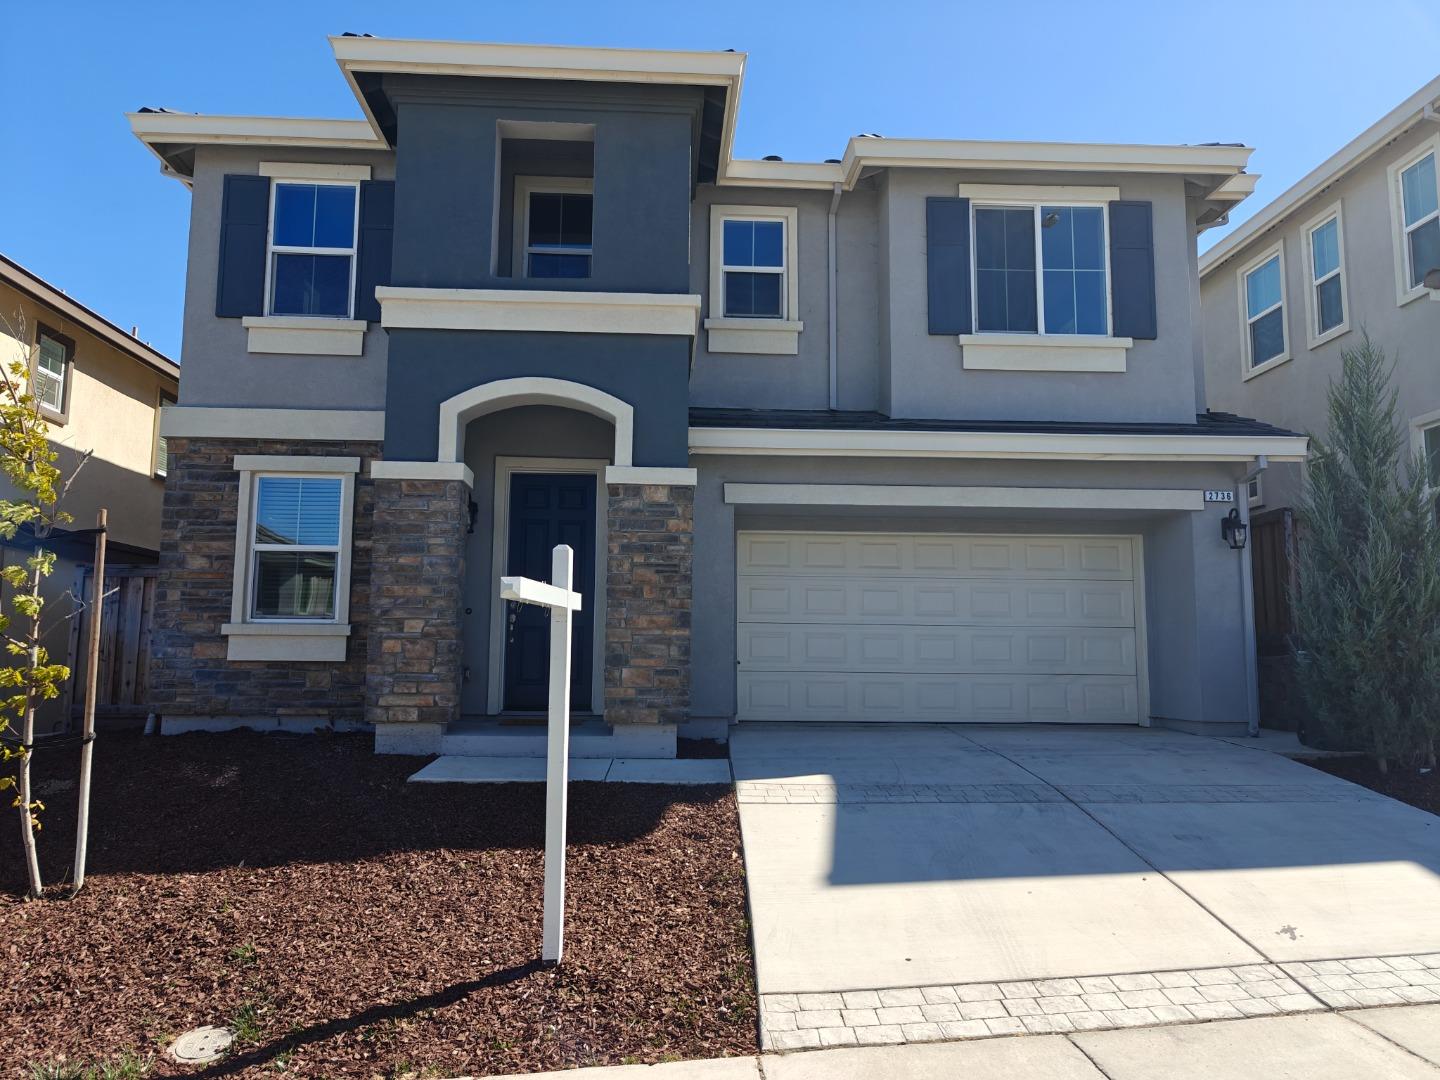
{"x":85,"y":206}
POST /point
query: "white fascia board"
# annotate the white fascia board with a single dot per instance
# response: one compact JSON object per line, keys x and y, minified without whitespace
{"x":199,"y":422}
{"x":1353,"y":154}
{"x":1009,"y":445}
{"x":538,"y":310}
{"x":1001,"y":498}
{"x":1062,"y":157}
{"x":422,"y":470}
{"x":816,"y":176}
{"x":192,"y":128}
{"x":654,"y":66}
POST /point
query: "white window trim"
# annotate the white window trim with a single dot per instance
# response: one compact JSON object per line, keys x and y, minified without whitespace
{"x":289,"y":639}
{"x":1001,"y":197}
{"x":1403,"y":293}
{"x":1314,"y":336}
{"x":525,"y":186}
{"x":755,"y":336}
{"x":1246,"y":371}
{"x":42,"y":376}
{"x":286,"y":173}
{"x":163,"y":400}
{"x":1258,"y":483}
{"x":1418,"y":426}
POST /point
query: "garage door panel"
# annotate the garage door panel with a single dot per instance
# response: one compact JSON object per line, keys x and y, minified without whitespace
{"x":941,"y":649}
{"x":938,"y":556}
{"x":902,"y":627}
{"x":1058,"y":699}
{"x":917,"y":600}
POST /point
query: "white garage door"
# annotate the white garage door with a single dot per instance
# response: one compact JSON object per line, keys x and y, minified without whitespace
{"x":940,"y":627}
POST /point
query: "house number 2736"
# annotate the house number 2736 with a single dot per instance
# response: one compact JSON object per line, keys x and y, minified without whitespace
{"x":1220,"y":496}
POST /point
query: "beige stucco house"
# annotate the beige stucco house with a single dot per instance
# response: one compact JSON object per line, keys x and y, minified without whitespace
{"x":101,"y":389}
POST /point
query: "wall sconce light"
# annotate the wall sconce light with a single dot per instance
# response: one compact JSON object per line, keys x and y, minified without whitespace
{"x":1235,"y":531}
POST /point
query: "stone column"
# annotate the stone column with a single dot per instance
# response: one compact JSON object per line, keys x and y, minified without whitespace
{"x":415,"y":663}
{"x":648,"y":591}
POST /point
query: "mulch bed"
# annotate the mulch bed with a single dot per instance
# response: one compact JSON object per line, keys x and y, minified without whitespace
{"x":352,"y":925}
{"x":1403,"y":782}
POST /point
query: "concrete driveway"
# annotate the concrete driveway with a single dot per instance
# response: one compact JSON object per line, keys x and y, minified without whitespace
{"x":919,"y":856}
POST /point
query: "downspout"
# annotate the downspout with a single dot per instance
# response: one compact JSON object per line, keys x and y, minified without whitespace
{"x":1247,"y":602}
{"x":834,"y":305}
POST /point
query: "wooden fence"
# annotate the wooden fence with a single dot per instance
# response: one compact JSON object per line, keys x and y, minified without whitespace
{"x":127,"y":616}
{"x":1272,"y":554}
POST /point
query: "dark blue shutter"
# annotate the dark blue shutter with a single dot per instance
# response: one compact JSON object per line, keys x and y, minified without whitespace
{"x":947,"y":256}
{"x":1132,"y":268}
{"x":377,"y":228}
{"x":244,"y":221}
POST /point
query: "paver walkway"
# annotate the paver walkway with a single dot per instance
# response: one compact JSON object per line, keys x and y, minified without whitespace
{"x":918,"y":883}
{"x":1394,"y":1044}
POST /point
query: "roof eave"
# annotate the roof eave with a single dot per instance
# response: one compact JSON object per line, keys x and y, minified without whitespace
{"x":1352,"y":155}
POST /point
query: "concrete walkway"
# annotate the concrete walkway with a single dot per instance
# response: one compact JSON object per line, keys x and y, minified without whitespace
{"x":1394,"y":1044}
{"x":464,"y":769}
{"x":939,"y":863}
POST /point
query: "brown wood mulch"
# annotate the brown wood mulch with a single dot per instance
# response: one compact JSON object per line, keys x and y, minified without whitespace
{"x":1403,"y":782}
{"x":351,"y":925}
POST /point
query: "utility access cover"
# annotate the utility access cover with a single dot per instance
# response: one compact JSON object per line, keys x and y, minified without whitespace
{"x":201,"y":1045}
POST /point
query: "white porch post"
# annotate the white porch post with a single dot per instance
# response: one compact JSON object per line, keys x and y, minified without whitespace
{"x":559,"y":598}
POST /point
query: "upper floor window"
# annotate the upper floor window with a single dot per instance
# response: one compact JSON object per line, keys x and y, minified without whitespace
{"x":1326,"y":256}
{"x":312,"y":248}
{"x":1262,"y":303}
{"x":50,"y":372}
{"x":1416,"y":191}
{"x":554,"y":220}
{"x":162,"y":450}
{"x":1041,"y":269}
{"x":295,"y":549}
{"x":753,"y":265}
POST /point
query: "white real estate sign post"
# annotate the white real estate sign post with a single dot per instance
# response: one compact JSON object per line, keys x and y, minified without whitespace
{"x":561,"y":601}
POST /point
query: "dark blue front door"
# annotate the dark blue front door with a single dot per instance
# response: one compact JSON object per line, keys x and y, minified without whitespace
{"x":548,"y":509}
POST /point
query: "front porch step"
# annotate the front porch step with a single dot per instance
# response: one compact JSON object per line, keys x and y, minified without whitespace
{"x":593,"y":738}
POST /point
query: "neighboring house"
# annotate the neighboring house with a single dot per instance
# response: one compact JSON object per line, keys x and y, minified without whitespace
{"x":1345,"y":251}
{"x":916,"y":434}
{"x":101,"y":390}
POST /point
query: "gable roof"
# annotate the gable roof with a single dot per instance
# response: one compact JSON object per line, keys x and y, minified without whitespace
{"x":1416,"y":109}
{"x":42,"y":292}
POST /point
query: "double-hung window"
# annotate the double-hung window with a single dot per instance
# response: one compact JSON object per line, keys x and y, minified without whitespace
{"x":554,"y":233}
{"x":1418,"y":202}
{"x":753,"y":266}
{"x":50,"y":373}
{"x":1262,"y":306}
{"x":295,"y":547}
{"x":1041,"y":268}
{"x":1326,"y":255}
{"x":312,"y":247}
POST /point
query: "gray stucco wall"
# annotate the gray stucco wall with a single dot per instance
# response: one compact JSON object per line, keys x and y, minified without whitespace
{"x":446,"y":217}
{"x":886,"y":358}
{"x":1193,"y":579}
{"x":218,"y":369}
{"x":535,"y":431}
{"x":429,"y":366}
{"x":1293,"y":394}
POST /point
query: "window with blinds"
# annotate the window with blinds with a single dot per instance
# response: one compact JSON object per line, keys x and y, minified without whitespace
{"x":295,"y":547}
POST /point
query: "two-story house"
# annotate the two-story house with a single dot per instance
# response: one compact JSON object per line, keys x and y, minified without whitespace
{"x":915,"y":434}
{"x":1345,"y":251}
{"x":100,"y":390}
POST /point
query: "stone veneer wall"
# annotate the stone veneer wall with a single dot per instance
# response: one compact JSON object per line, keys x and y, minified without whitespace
{"x":648,"y":589}
{"x":417,"y":589}
{"x":189,"y":675}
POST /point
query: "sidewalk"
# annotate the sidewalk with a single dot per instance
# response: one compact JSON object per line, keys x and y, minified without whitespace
{"x":1399,"y":1043}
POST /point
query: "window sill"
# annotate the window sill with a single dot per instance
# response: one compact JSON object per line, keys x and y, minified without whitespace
{"x":768,"y":337}
{"x":1283,"y":358}
{"x":294,"y":641}
{"x":1043,"y":352}
{"x":1329,"y":335}
{"x":304,"y":335}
